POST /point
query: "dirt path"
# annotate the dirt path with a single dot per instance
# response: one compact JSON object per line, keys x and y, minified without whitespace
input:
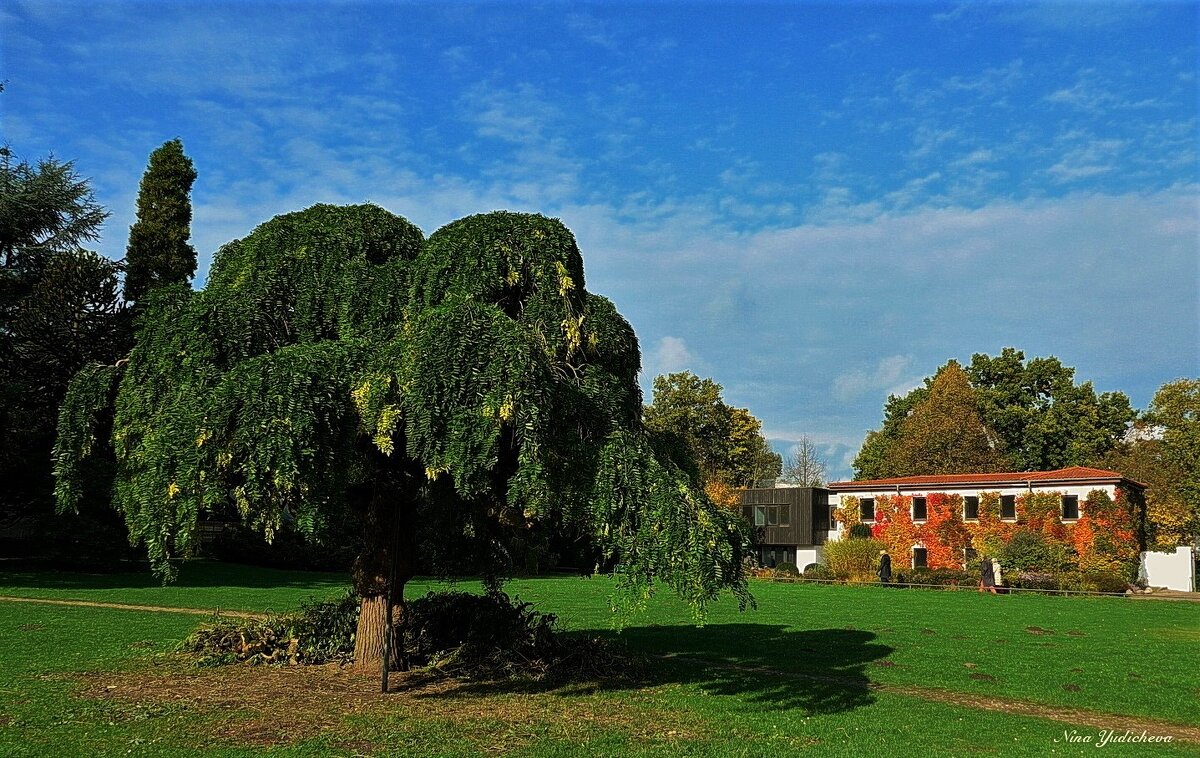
{"x":128,"y":607}
{"x":1117,"y":723}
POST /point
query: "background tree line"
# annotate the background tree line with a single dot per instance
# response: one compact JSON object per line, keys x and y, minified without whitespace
{"x":62,"y":307}
{"x":1006,"y":413}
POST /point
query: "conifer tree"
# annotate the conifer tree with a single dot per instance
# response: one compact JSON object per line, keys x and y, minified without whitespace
{"x":159,"y":252}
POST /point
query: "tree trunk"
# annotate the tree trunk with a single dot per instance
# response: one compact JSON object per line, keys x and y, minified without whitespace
{"x":386,"y":561}
{"x":368,"y":641}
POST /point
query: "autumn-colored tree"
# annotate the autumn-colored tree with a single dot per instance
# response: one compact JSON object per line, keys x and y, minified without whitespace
{"x":1175,"y":410}
{"x":945,"y":433}
{"x":1163,"y":452}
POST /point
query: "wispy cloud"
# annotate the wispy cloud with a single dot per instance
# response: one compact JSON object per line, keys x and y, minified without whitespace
{"x":884,"y":376}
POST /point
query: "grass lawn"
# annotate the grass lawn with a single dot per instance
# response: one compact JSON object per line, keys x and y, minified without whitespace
{"x":822,"y":670}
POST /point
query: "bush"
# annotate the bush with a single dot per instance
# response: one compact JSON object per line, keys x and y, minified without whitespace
{"x":817,"y":571}
{"x":321,"y":632}
{"x":853,"y":560}
{"x":1032,"y":580}
{"x":1093,"y":581}
{"x":787,"y":569}
{"x":942,"y":577}
{"x":1069,"y":581}
{"x":490,"y":637}
{"x":859,"y":531}
{"x":1028,"y":550}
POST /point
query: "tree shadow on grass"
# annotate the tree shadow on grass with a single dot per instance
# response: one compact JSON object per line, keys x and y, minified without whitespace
{"x":816,"y":671}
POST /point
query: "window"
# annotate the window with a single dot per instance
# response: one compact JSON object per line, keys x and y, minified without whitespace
{"x":971,"y":508}
{"x":772,"y":515}
{"x":832,"y":516}
{"x":920,"y":560}
{"x":1008,"y":506}
{"x":1070,"y":507}
{"x":775,"y":556}
{"x":866,"y":509}
{"x":919,"y":510}
{"x":969,"y":555}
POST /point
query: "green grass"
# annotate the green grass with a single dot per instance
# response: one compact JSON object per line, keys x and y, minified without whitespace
{"x":924,"y":638}
{"x":202,"y":584}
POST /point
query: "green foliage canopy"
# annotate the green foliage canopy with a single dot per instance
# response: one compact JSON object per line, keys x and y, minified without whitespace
{"x":1043,"y":419}
{"x":467,"y":386}
{"x":726,"y":442}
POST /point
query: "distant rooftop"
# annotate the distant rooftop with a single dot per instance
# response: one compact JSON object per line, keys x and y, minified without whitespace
{"x":1072,"y":474}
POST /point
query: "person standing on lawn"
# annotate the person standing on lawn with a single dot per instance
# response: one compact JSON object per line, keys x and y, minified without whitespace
{"x":885,"y":567}
{"x":996,"y":575}
{"x":987,"y":576}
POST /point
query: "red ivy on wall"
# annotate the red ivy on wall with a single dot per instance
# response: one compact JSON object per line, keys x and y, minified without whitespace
{"x":944,"y":534}
{"x":1104,"y":537}
{"x":894,"y":527}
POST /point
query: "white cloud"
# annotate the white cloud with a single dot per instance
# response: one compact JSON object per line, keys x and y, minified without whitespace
{"x":851,"y":385}
{"x":671,"y":355}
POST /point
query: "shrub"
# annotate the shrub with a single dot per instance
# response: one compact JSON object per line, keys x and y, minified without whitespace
{"x":490,"y":637}
{"x":941,"y":577}
{"x":1106,"y":581}
{"x":1029,"y":550}
{"x":1032,"y":580}
{"x":859,"y":531}
{"x":854,"y":560}
{"x":817,"y":571}
{"x":321,"y":632}
{"x":787,"y":569}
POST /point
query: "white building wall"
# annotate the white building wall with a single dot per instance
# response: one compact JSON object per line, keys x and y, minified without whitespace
{"x":806,"y":554}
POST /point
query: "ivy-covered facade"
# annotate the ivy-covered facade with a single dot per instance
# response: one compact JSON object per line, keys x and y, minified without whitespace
{"x":1096,"y":517}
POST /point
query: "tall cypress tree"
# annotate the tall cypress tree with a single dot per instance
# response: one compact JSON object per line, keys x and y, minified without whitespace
{"x":159,"y":252}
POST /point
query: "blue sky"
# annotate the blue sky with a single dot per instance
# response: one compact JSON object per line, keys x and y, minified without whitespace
{"x":815,"y":205}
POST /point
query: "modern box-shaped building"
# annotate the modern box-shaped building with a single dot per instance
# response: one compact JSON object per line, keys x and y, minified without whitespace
{"x":790,"y":523}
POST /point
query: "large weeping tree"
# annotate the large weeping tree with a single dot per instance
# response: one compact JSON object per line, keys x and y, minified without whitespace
{"x":461,"y":394}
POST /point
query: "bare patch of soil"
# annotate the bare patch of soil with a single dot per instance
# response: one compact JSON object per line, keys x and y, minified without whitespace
{"x":264,"y":706}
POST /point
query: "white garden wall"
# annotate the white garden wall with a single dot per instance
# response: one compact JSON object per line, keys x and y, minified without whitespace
{"x":1175,"y":570}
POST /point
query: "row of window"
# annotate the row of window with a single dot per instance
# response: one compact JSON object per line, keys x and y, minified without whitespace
{"x":920,"y":557}
{"x":772,"y":515}
{"x":1008,"y":508}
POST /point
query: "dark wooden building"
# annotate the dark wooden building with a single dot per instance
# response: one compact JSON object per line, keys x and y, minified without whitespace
{"x":790,"y":523}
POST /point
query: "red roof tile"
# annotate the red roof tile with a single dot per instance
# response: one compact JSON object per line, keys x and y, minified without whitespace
{"x":1073,"y":473}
